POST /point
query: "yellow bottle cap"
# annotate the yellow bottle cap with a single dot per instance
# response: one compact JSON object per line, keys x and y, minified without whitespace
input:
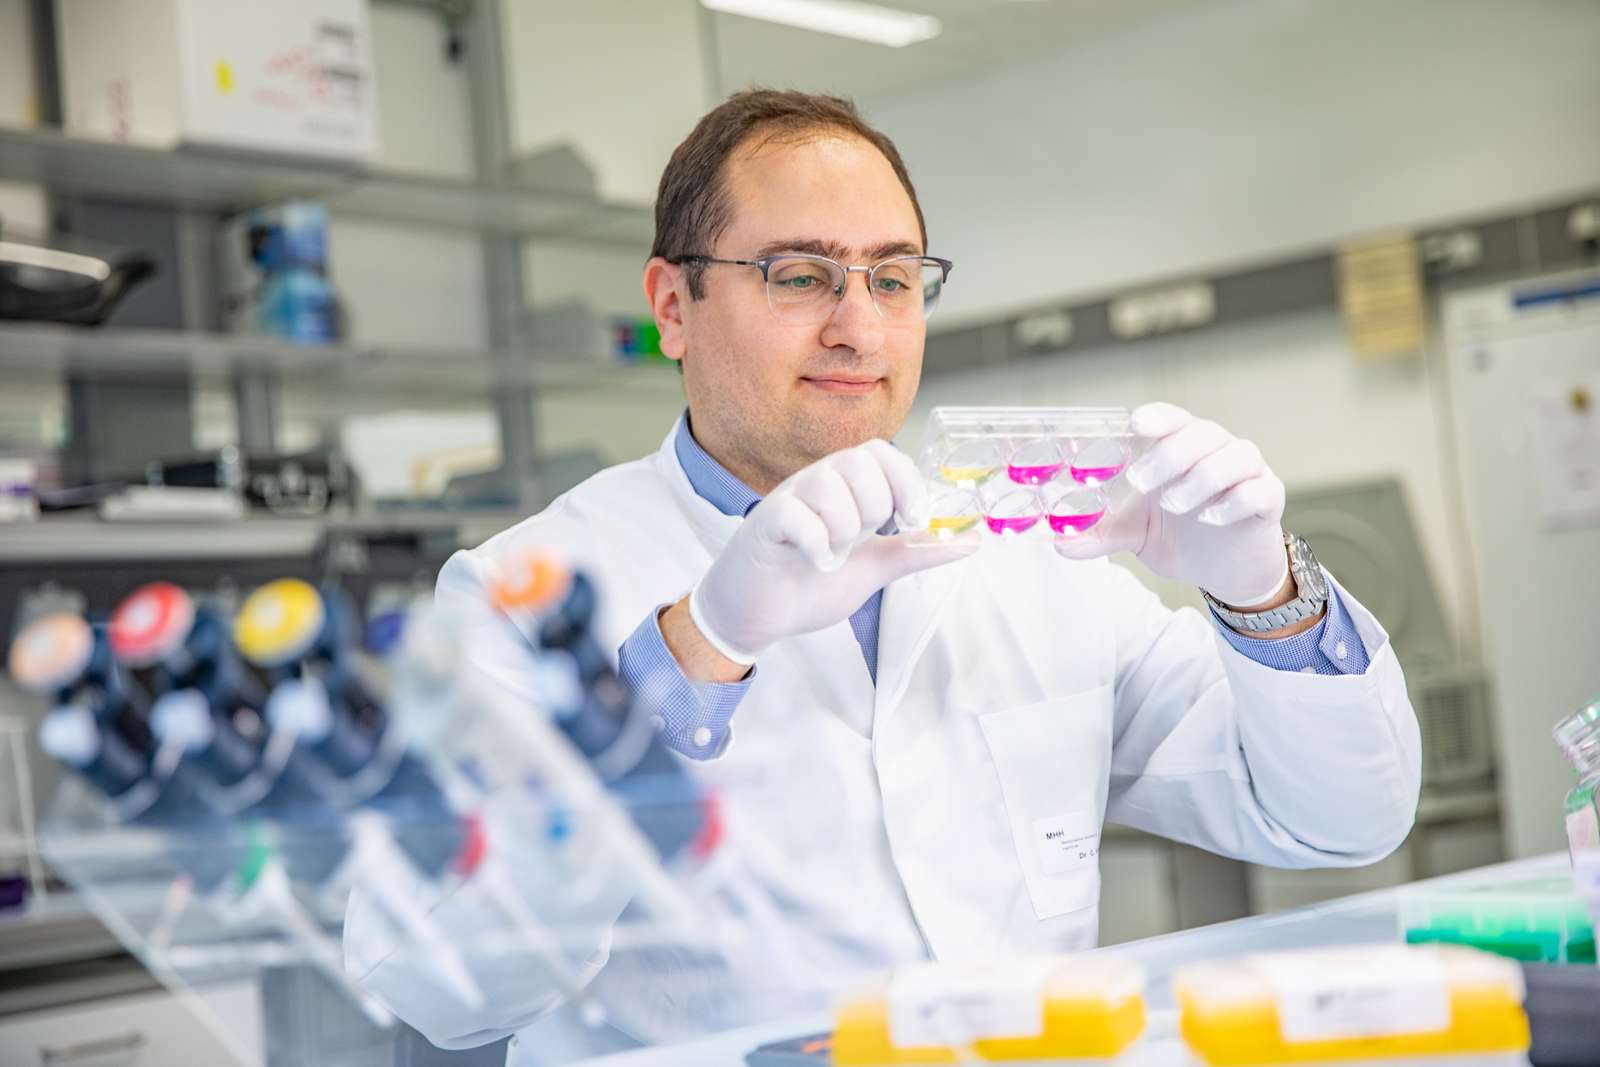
{"x":278,"y":622}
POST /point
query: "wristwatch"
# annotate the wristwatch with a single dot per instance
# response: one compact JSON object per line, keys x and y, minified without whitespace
{"x":1310,"y":583}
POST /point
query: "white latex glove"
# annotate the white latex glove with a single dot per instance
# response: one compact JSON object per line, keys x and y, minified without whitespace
{"x":1207,"y":511}
{"x":809,"y":555}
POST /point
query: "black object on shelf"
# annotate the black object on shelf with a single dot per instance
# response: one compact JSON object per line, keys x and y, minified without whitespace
{"x":73,"y":497}
{"x":303,"y":483}
{"x":56,"y":282}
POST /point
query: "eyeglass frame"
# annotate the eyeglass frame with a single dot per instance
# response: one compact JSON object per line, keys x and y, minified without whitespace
{"x":764,"y":264}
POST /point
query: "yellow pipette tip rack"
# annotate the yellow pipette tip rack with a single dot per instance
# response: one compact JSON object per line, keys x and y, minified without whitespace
{"x":1375,"y":1002}
{"x":278,"y":622}
{"x":1063,"y":1008}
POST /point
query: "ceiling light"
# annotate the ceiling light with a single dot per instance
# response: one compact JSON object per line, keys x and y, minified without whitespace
{"x":842,"y":18}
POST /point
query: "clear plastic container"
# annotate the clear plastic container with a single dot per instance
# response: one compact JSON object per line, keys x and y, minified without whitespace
{"x":1373,"y":1003}
{"x":1008,"y":473}
{"x":1578,"y":736}
{"x":1082,"y":1009}
{"x":1539,"y":921}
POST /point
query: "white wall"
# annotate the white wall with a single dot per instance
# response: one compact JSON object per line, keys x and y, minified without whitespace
{"x":424,"y":103}
{"x":606,"y":277}
{"x":21,"y":206}
{"x":619,"y":424}
{"x":1237,"y":130}
{"x":31,"y":413}
{"x":18,"y":103}
{"x":403,"y":285}
{"x":417,"y":287}
{"x":408,"y":285}
{"x":620,"y":81}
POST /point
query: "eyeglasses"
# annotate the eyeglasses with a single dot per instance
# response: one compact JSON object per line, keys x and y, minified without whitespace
{"x":804,"y":290}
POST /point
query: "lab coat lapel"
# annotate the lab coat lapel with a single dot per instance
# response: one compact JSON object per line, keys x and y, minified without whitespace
{"x":911,"y":610}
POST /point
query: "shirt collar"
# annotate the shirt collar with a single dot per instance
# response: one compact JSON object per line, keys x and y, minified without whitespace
{"x":711,"y":481}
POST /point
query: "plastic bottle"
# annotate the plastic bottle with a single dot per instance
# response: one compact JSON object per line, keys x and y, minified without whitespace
{"x":1578,"y":736}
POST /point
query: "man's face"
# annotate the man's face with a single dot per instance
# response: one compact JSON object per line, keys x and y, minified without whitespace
{"x":768,"y":397}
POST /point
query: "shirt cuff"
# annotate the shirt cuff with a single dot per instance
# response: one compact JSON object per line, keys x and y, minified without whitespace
{"x":1331,"y":647}
{"x":692,"y":717}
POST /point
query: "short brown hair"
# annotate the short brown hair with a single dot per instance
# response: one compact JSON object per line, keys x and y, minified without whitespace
{"x":692,"y":204}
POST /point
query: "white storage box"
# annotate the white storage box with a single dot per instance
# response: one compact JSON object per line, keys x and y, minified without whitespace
{"x":289,"y":76}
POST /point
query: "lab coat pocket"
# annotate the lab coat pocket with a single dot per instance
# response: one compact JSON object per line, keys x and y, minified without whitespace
{"x":1051,"y":759}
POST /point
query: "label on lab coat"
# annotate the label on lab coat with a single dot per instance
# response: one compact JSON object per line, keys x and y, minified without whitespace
{"x":1067,"y":842}
{"x":1367,"y":992}
{"x":937,"y":1005}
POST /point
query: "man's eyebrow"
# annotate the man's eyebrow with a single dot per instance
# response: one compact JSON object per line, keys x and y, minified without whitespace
{"x":810,"y":246}
{"x":892,"y":248}
{"x":813,"y":246}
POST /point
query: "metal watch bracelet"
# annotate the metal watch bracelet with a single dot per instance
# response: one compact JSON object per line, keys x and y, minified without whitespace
{"x":1311,"y":589}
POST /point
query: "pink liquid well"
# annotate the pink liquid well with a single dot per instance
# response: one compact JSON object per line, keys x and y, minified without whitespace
{"x":1033,"y":474}
{"x":1010,"y":525}
{"x":1095,"y":475}
{"x":1075,"y":523}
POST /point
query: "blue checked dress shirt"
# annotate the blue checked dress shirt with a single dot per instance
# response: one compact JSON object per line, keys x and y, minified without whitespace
{"x":693,"y":717}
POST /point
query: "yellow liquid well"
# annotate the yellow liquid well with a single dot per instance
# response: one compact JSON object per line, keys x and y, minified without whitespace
{"x":952,"y":523}
{"x":967,"y":475}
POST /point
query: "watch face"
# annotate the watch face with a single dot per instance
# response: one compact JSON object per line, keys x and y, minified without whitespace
{"x":1307,"y":571}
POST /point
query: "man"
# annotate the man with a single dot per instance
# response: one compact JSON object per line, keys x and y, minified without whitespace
{"x":926,"y":725}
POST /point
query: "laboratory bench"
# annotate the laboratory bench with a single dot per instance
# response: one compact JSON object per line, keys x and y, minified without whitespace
{"x":1365,"y":918}
{"x":66,"y":988}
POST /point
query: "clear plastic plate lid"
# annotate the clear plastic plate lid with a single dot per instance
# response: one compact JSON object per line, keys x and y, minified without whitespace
{"x":1008,"y":473}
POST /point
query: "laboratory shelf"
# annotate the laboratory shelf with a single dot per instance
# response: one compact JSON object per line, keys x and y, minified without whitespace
{"x":356,"y":370}
{"x":82,"y":539}
{"x":53,"y":929}
{"x":224,"y":181}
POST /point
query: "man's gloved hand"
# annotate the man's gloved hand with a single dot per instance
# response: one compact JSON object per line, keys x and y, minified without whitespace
{"x":809,"y":555}
{"x":1209,"y":511}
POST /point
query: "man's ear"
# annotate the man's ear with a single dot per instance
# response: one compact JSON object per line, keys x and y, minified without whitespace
{"x":666,"y":289}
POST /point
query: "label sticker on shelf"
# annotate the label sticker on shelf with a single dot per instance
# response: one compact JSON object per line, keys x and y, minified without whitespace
{"x":1365,"y":992}
{"x":937,"y":1005}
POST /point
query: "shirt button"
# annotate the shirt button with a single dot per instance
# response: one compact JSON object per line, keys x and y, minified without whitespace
{"x":702,"y":737}
{"x":1339,"y":651}
{"x":657,"y":723}
{"x":1308,"y":670}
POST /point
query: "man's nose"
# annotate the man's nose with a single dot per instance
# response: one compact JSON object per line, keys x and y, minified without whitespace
{"x":855,"y":321}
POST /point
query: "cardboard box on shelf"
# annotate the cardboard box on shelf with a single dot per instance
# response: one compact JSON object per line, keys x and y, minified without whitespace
{"x":292,"y":76}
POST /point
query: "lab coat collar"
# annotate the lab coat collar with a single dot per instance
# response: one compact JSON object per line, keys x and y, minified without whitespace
{"x":711,"y":526}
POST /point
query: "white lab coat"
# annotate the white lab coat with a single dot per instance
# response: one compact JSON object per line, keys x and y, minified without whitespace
{"x":1021,"y":701}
